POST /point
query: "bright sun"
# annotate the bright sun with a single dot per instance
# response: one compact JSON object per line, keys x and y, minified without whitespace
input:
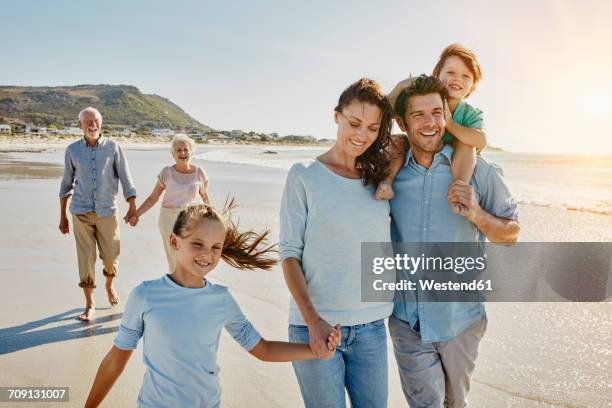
{"x":596,"y":104}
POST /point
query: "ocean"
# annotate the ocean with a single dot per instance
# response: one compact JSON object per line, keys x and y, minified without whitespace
{"x":570,"y":182}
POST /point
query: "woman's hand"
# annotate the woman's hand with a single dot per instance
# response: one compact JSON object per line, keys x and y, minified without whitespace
{"x":319,"y":332}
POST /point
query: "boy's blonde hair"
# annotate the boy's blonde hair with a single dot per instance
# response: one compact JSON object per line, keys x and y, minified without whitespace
{"x":467,"y":56}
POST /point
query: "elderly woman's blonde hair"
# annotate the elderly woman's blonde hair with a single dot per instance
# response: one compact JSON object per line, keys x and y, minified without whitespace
{"x":180,"y":137}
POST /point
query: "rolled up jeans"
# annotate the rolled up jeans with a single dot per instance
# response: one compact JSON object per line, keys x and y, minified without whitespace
{"x":167,"y":218}
{"x":359,"y":365}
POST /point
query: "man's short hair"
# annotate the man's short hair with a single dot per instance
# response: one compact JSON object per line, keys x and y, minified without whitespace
{"x":89,"y":109}
{"x":423,"y":85}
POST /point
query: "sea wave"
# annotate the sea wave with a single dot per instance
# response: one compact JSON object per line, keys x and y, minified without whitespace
{"x":527,"y":190}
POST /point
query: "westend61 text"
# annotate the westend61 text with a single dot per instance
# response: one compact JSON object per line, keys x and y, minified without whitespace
{"x":429,"y":285}
{"x":414,"y":264}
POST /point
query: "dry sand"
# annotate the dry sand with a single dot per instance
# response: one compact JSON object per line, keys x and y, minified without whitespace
{"x":533,"y":355}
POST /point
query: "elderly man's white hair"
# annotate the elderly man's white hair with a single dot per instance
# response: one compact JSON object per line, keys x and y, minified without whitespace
{"x":90,"y":109}
{"x":181,"y":137}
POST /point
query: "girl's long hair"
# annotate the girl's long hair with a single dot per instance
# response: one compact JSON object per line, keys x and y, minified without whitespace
{"x":241,"y":249}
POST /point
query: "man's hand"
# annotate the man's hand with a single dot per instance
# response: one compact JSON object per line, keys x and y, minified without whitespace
{"x":64,"y":225}
{"x":318,"y":335}
{"x":462,"y":199}
{"x":131,"y":212}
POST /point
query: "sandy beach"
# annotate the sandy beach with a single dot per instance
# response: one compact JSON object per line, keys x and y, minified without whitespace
{"x":533,"y":355}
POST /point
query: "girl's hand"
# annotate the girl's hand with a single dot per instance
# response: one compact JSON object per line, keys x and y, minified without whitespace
{"x":133,"y":220}
{"x":333,"y":340}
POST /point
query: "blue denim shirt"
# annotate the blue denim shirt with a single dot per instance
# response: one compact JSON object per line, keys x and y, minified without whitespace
{"x":92,"y":174}
{"x":420,"y":213}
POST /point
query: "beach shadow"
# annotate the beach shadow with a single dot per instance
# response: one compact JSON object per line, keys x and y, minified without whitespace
{"x":25,"y":336}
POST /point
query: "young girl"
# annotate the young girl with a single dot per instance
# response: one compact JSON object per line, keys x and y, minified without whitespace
{"x":180,"y":317}
{"x":183,"y":184}
{"x":459,"y":71}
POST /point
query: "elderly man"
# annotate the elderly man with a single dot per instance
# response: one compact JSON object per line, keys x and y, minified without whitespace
{"x":436,"y":343}
{"x":93,"y":167}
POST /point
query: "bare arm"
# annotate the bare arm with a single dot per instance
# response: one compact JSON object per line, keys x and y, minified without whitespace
{"x":64,"y":225}
{"x":318,"y":329}
{"x":496,"y":229}
{"x":151,"y":199}
{"x":464,"y":162}
{"x":205,"y":198}
{"x":278,"y":351}
{"x":110,"y":369}
{"x":470,"y":136}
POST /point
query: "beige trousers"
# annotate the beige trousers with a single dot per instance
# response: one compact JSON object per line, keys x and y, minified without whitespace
{"x":167,"y":218}
{"x":89,"y":230}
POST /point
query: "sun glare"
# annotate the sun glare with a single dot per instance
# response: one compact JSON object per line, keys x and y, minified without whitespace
{"x":597,"y":104}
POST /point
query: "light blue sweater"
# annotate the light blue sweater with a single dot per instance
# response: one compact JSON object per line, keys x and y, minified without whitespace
{"x":324,"y":218}
{"x":181,"y":329}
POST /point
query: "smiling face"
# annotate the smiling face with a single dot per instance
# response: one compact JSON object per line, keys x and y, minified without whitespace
{"x":457,"y":78}
{"x":424,"y":123}
{"x":358,"y":126}
{"x":199,"y":250}
{"x":181,"y":152}
{"x":91,"y":124}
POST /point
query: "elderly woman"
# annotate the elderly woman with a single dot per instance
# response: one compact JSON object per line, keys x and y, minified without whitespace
{"x":183,"y":183}
{"x":327,"y":211}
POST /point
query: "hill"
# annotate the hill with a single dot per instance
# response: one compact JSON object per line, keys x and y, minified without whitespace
{"x":119,"y":104}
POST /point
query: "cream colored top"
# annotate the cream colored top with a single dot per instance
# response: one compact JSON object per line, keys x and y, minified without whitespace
{"x":182,"y":189}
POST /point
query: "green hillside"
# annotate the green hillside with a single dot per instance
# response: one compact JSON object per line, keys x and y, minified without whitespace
{"x":119,"y":104}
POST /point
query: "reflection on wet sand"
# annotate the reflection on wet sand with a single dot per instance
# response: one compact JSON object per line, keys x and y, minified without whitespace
{"x":15,"y":169}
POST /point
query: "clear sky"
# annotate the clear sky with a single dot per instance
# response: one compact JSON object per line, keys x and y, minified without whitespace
{"x":279,"y":66}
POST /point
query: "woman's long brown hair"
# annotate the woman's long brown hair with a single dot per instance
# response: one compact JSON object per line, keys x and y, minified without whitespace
{"x":374,"y":162}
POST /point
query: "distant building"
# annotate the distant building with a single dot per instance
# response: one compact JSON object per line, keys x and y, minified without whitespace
{"x":5,"y":129}
{"x":198,"y":137}
{"x":236,"y":133}
{"x":162,"y":132}
{"x":71,"y":131}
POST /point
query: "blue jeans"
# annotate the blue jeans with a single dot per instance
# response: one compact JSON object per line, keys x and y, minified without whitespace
{"x":359,"y":364}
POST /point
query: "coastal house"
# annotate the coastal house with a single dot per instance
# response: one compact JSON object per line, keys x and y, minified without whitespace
{"x":199,"y":137}
{"x":5,"y":129}
{"x":237,"y":133}
{"x":70,"y":131}
{"x":162,"y":132}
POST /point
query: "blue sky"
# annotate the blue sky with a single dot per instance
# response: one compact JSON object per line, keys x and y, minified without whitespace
{"x":277,"y":66}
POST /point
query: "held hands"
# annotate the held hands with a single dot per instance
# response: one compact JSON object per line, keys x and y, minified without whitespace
{"x":323,"y":338}
{"x":462,"y":199}
{"x":131,"y":217}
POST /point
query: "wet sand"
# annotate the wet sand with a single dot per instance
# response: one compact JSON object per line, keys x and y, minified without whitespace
{"x":533,"y":355}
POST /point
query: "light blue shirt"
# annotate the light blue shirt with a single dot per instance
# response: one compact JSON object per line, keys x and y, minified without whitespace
{"x":181,"y":328}
{"x":421,"y":213}
{"x":324,"y":218}
{"x":92,"y":175}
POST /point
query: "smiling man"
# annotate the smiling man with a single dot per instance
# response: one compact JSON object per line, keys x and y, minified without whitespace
{"x":94,"y":165}
{"x":436,"y":343}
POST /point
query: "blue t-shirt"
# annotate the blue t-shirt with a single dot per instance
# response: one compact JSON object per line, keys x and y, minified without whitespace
{"x":181,"y":328}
